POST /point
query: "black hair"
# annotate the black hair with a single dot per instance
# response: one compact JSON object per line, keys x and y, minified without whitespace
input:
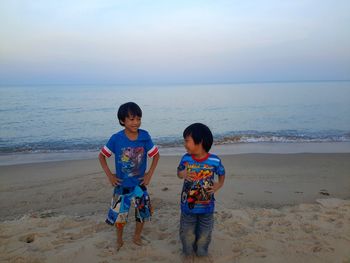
{"x":128,"y":109}
{"x":200,"y":134}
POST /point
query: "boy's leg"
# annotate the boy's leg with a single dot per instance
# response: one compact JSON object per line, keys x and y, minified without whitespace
{"x":142,"y":213}
{"x":203,"y":232}
{"x":188,"y":224}
{"x":138,"y":231}
{"x":118,"y":213}
{"x":119,"y":228}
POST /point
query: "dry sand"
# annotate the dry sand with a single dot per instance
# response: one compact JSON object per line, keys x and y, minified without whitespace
{"x":273,"y":208}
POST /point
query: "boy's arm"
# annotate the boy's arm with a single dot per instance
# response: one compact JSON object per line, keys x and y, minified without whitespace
{"x":111,"y":177}
{"x":148,"y":175}
{"x":217,"y":185}
{"x":181,"y":173}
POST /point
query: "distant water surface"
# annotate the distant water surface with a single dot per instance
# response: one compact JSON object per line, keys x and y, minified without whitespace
{"x":82,"y":118}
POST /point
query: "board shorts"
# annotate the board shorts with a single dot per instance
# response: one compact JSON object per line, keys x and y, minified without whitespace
{"x":123,"y":198}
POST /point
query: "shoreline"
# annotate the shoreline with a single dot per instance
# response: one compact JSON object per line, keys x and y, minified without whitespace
{"x":223,"y":149}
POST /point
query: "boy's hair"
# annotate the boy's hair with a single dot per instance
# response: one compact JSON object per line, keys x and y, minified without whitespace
{"x":128,"y":109}
{"x":200,"y":134}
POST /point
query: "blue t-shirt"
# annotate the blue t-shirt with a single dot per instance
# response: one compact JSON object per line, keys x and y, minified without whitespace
{"x":194,"y":196}
{"x":130,"y":156}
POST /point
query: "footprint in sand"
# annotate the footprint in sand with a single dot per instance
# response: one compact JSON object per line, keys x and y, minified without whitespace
{"x":173,"y":242}
{"x":225,"y":215}
{"x":28,"y":238}
{"x":162,"y":236}
{"x":324,"y":192}
{"x":162,"y":232}
{"x":309,"y":228}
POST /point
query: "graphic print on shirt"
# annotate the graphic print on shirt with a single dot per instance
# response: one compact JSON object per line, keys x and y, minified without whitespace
{"x":131,"y":160}
{"x":196,"y":192}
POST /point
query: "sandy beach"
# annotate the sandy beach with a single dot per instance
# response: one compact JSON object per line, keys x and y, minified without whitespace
{"x":273,"y":208}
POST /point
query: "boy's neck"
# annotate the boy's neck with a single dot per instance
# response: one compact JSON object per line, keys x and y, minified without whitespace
{"x":131,"y":135}
{"x":200,"y":155}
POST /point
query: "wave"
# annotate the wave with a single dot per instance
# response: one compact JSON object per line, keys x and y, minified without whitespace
{"x":286,"y":136}
{"x":282,"y":137}
{"x":49,"y":146}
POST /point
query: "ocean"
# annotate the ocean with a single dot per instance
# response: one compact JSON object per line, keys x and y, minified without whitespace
{"x":80,"y":119}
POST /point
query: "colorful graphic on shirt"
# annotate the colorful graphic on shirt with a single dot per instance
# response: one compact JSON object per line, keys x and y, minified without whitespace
{"x":196,"y":196}
{"x":131,"y":160}
{"x":196,"y":192}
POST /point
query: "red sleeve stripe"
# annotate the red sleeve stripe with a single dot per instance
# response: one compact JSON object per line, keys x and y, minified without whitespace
{"x":151,"y":153}
{"x":106,"y":152}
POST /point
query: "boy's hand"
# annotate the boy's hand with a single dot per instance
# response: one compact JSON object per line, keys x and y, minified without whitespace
{"x":186,"y":175}
{"x":215,"y":187}
{"x":189,"y":176}
{"x":146,"y":179}
{"x":114,"y":180}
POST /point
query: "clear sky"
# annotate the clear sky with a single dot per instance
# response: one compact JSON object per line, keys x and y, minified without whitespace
{"x":182,"y":41}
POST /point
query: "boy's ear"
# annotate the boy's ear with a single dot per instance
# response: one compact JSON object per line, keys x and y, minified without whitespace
{"x":121,"y":122}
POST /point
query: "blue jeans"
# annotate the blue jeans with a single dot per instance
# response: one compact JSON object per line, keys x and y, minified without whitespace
{"x":195,"y":233}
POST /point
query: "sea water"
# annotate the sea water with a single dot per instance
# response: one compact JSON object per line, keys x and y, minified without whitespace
{"x":63,"y":119}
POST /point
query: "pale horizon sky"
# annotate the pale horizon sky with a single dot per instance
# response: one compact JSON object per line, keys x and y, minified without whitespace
{"x":152,"y":42}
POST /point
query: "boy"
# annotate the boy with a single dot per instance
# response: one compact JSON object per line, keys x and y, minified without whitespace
{"x":130,"y":147}
{"x":197,"y":167}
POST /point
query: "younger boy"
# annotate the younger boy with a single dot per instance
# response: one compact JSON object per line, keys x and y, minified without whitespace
{"x":197,"y":167}
{"x":130,"y":147}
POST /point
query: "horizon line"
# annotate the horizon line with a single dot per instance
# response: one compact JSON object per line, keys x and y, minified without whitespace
{"x":174,"y":83}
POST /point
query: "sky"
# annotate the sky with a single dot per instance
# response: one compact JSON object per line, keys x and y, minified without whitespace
{"x":165,"y":42}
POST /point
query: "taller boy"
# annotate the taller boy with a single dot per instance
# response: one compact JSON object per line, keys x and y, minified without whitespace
{"x":130,"y":147}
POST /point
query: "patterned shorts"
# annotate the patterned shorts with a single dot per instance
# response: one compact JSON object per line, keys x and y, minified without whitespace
{"x":121,"y":202}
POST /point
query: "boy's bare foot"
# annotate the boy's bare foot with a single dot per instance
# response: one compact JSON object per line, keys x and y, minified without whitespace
{"x":137,"y":241}
{"x":187,"y":259}
{"x":119,"y":245}
{"x":206,"y":259}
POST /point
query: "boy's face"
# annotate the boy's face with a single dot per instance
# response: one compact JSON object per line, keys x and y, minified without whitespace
{"x":191,"y":147}
{"x":132,"y":123}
